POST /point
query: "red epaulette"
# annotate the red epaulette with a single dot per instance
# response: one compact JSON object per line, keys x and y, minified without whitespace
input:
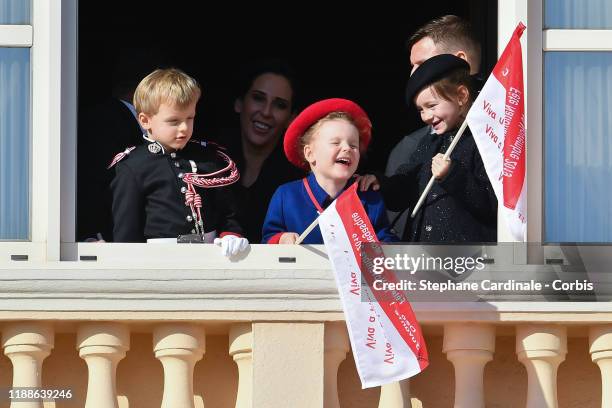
{"x":119,"y":156}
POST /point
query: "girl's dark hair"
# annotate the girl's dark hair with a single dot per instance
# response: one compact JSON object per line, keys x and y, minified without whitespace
{"x":447,"y":87}
{"x":254,"y":69}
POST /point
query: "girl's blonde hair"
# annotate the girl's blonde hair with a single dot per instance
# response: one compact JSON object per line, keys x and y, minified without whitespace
{"x":171,"y":86}
{"x":308,"y":134}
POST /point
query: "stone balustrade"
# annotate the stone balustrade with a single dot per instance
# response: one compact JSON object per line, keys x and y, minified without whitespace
{"x":297,"y":363}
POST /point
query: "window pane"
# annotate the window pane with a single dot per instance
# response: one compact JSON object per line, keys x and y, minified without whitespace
{"x":15,"y":11}
{"x":593,"y":14}
{"x":14,"y":143}
{"x":578,"y":146}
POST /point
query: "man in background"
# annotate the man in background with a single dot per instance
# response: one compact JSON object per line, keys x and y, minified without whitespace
{"x":443,"y":35}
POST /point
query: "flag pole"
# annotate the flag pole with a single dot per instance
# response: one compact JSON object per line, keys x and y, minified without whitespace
{"x":433,"y":178}
{"x":307,"y":231}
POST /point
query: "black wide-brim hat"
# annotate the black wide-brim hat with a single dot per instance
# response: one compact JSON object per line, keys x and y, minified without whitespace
{"x":432,"y":70}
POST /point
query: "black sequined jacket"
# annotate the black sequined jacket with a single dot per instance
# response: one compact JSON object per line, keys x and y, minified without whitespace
{"x":461,"y":207}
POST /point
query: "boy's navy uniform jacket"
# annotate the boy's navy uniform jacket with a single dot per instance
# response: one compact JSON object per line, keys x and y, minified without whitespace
{"x":291,"y":210}
{"x":149,"y":194}
{"x":461,"y":207}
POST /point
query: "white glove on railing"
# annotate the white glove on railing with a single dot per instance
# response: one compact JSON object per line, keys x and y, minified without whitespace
{"x":231,"y":245}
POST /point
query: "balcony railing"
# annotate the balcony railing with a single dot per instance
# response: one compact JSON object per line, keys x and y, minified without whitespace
{"x":145,"y":326}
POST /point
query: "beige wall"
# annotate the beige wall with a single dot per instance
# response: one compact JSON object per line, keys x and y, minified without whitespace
{"x":349,"y":387}
{"x":579,"y":378}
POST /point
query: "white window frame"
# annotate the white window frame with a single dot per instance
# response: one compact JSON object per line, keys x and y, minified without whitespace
{"x":18,"y":36}
{"x":509,"y":14}
{"x":571,"y":40}
{"x":536,"y":40}
{"x":52,"y":39}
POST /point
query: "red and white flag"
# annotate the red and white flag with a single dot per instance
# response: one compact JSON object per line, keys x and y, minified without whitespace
{"x":386,"y":339}
{"x":497,"y":121}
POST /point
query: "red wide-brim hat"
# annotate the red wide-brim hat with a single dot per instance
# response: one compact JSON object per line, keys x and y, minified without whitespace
{"x":312,"y":114}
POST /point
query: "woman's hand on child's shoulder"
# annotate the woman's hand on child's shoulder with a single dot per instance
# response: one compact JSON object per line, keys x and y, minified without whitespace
{"x":288,"y":238}
{"x":367,"y":181}
{"x":440,"y":166}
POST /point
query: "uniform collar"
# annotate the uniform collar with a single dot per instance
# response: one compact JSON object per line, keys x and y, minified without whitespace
{"x":154,"y":150}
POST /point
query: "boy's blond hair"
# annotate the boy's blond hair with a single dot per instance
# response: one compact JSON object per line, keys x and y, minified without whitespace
{"x":308,"y":134}
{"x":171,"y":86}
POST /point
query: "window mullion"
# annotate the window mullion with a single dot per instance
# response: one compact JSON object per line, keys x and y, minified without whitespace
{"x":577,"y":40}
{"x":15,"y":35}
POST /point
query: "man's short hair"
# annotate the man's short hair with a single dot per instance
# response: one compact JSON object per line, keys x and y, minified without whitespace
{"x":450,"y":34}
{"x":171,"y":86}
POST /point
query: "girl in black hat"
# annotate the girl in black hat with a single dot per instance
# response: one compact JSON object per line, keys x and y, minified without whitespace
{"x":461,"y":206}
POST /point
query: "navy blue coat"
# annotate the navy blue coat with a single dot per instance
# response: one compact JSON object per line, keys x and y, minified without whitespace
{"x":291,"y":210}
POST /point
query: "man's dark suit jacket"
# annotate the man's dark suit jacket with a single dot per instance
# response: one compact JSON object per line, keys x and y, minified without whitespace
{"x":399,"y":156}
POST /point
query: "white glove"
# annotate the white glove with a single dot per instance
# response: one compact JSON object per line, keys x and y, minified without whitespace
{"x":231,"y":244}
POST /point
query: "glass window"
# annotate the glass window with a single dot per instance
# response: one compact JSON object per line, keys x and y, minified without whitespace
{"x":14,"y":143}
{"x":581,"y":14}
{"x":578,"y":146}
{"x":15,"y":11}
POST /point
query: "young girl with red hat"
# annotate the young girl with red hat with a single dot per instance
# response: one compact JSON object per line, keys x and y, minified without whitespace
{"x":326,"y":138}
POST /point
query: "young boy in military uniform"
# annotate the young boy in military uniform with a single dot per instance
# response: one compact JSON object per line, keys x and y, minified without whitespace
{"x":171,"y":185}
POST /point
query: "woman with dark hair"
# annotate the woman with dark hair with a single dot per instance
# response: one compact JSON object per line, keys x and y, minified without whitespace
{"x":265,"y":104}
